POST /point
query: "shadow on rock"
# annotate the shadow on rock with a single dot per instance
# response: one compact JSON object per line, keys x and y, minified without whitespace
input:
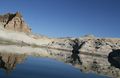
{"x":114,"y":58}
{"x":75,"y":53}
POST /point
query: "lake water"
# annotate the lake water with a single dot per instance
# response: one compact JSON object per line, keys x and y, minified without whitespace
{"x":22,"y":66}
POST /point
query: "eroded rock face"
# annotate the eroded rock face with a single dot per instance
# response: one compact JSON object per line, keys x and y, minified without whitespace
{"x":14,"y":22}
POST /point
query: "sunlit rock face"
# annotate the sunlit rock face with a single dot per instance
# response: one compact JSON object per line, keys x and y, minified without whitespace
{"x":14,"y":22}
{"x":8,"y":61}
{"x":95,"y":45}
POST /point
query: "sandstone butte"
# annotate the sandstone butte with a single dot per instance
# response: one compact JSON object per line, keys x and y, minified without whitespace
{"x":14,"y":22}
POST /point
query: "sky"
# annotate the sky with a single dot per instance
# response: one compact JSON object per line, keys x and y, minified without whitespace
{"x":68,"y":18}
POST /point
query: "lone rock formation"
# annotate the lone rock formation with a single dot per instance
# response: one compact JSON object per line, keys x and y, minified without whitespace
{"x":14,"y":22}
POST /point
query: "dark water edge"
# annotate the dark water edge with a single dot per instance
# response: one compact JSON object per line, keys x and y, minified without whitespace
{"x":37,"y":67}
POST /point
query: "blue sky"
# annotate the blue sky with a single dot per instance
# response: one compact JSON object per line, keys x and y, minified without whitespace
{"x":68,"y":18}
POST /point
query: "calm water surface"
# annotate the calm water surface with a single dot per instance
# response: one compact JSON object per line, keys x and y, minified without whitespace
{"x":36,"y":67}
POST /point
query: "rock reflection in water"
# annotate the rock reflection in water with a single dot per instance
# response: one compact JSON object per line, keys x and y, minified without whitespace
{"x":75,"y":57}
{"x":2,"y":63}
{"x":95,"y":66}
{"x":90,"y":63}
{"x":8,"y":61}
{"x":38,"y":67}
{"x":99,"y":65}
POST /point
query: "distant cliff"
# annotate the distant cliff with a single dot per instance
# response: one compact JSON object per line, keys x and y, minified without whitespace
{"x":14,"y":22}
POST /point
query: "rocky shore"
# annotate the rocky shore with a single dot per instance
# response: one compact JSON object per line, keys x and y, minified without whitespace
{"x":17,"y":37}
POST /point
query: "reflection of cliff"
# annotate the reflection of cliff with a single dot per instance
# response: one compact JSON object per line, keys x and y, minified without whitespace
{"x":8,"y":61}
{"x":98,"y":65}
{"x":91,"y":63}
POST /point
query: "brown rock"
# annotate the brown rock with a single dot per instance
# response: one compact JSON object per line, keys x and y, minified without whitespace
{"x":14,"y":22}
